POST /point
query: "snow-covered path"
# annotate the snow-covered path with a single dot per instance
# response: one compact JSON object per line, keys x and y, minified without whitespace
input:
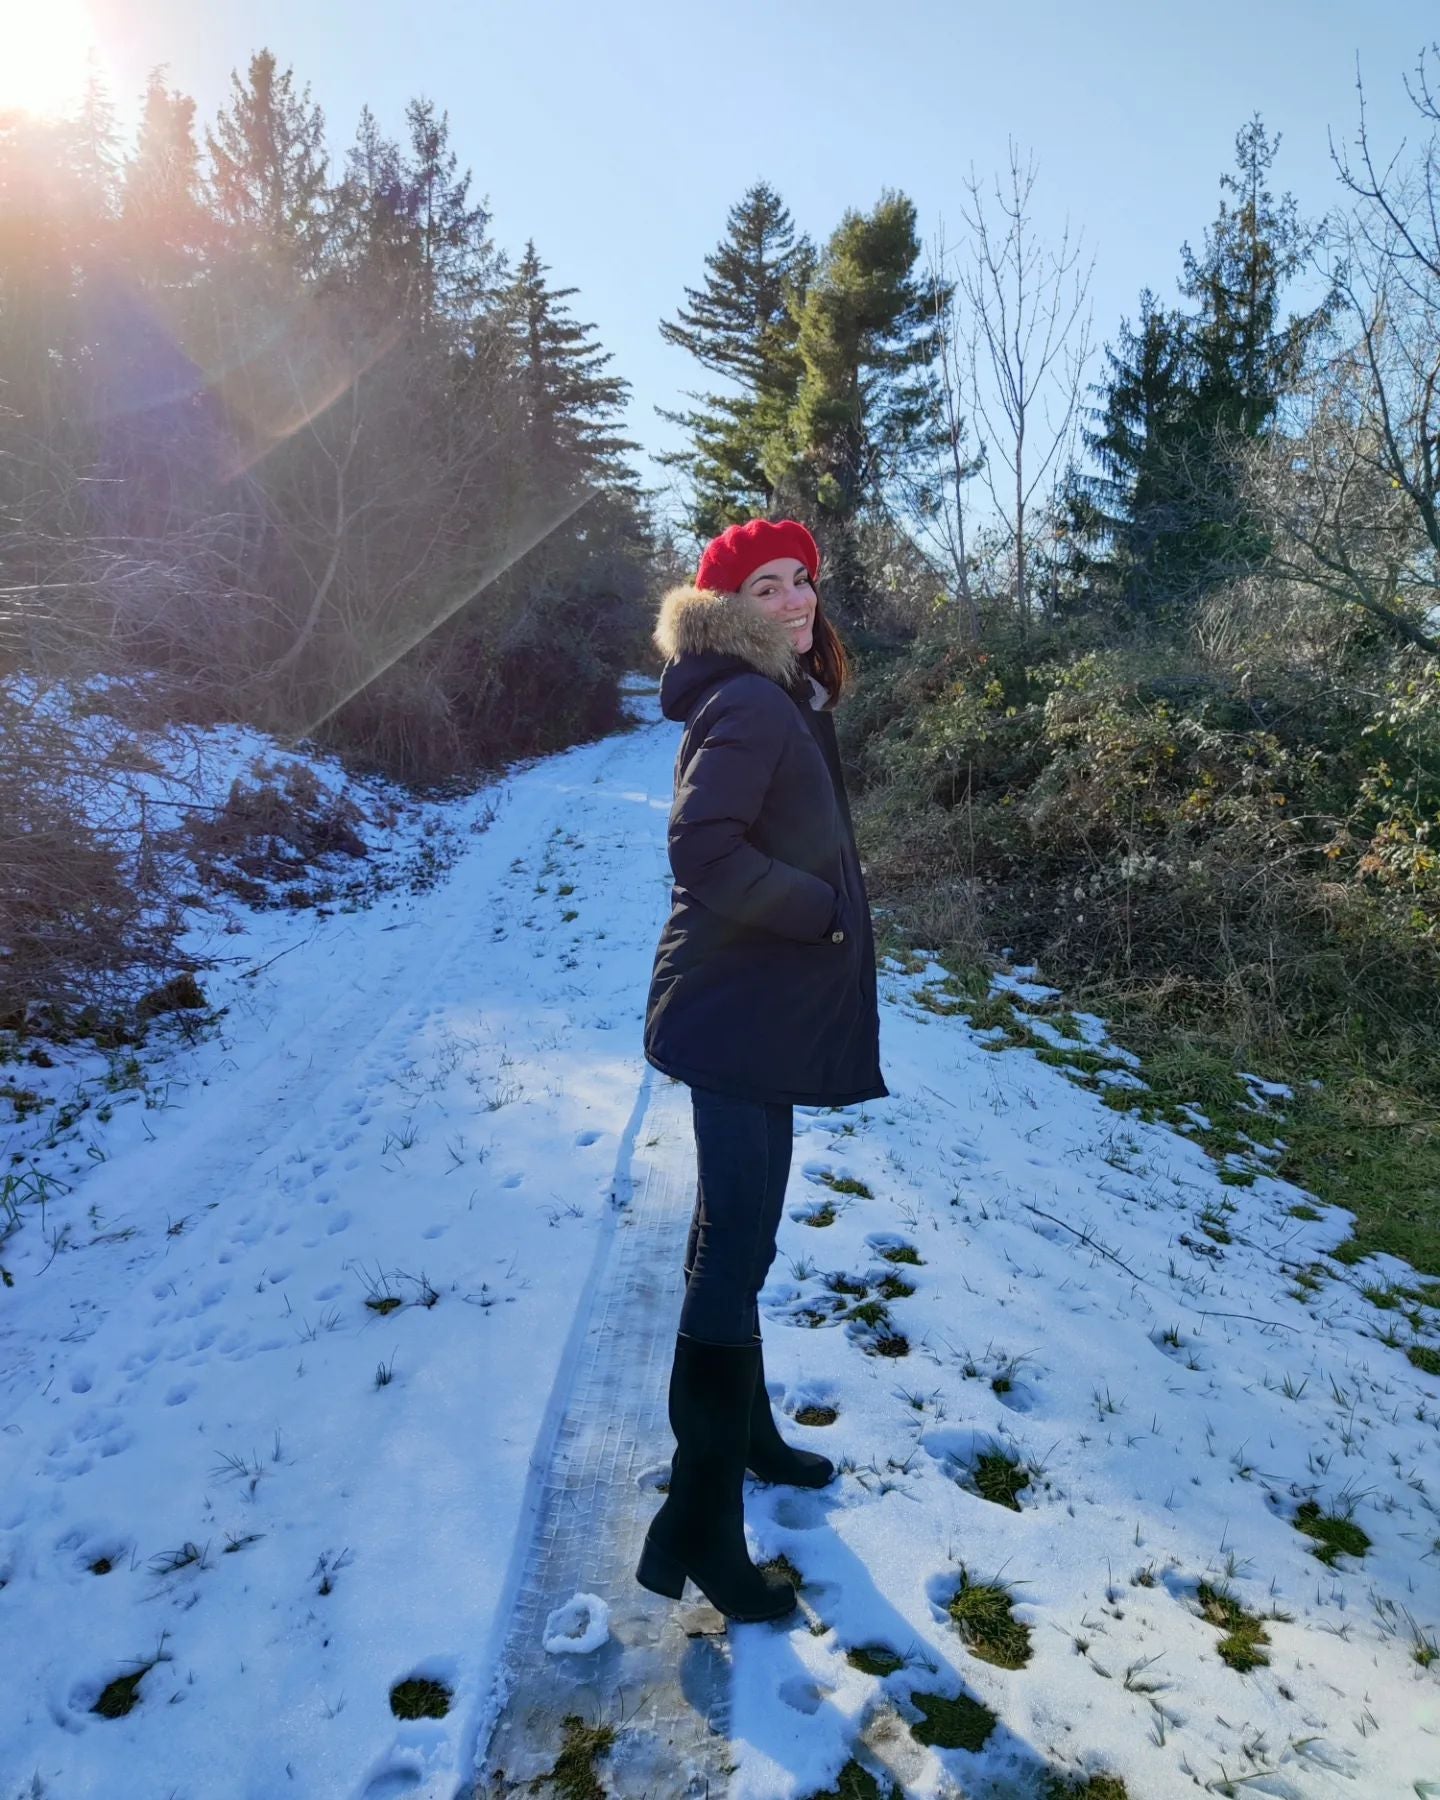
{"x":281,"y":1406}
{"x":595,"y":1496}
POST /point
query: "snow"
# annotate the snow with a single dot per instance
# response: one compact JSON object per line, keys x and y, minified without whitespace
{"x":578,"y":1627}
{"x":305,"y":1499}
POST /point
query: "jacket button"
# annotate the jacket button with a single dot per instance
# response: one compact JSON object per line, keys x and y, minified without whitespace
{"x":837,"y":937}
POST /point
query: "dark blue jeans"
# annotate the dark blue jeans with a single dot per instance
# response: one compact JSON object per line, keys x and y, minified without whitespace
{"x":742,"y":1159}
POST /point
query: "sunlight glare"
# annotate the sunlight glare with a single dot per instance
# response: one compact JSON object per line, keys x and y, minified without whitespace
{"x":44,"y":50}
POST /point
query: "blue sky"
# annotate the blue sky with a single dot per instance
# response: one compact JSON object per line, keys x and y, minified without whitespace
{"x":618,"y":136}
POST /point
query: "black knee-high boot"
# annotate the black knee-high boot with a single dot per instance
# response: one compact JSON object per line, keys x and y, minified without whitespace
{"x":769,"y":1457}
{"x":699,"y":1531}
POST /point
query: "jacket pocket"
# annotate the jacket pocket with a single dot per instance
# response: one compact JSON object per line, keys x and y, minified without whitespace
{"x":840,"y":920}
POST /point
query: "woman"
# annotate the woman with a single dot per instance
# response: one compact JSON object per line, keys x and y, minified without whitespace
{"x":762,"y":998}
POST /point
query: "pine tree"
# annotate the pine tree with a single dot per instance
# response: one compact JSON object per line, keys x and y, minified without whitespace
{"x":1246,"y":356}
{"x":267,"y":157}
{"x":1187,"y":389}
{"x":740,"y":325}
{"x":569,"y":403}
{"x":456,"y":257}
{"x":376,"y":239}
{"x":162,"y":218}
{"x":1132,"y":510}
{"x":94,"y":159}
{"x":867,"y":407}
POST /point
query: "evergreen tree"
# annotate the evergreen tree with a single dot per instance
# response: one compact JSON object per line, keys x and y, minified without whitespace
{"x":866,"y":409}
{"x":376,"y":236}
{"x":1246,"y":356}
{"x":163,"y":219}
{"x":94,"y":160}
{"x":569,"y":403}
{"x":1132,"y":509}
{"x":456,"y":257}
{"x":267,"y":157}
{"x":1187,"y":388}
{"x":741,"y":325}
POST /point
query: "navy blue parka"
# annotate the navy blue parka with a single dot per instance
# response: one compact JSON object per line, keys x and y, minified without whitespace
{"x":752,"y":992}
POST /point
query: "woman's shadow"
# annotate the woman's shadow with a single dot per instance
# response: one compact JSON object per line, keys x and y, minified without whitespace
{"x":781,"y":1710}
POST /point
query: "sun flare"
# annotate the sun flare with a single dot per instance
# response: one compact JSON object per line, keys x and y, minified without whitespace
{"x":45,"y":47}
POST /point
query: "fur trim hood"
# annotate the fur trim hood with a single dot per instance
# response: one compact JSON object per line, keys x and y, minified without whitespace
{"x":700,"y":621}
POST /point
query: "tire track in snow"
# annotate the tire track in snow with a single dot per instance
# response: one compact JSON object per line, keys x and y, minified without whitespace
{"x":592,"y":1496}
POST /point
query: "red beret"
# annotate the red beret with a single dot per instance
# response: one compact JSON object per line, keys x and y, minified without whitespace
{"x":741,"y":549}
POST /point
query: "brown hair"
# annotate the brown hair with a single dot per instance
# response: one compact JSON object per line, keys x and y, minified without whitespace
{"x":827,"y":660}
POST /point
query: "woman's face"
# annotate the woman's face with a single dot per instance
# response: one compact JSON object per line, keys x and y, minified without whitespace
{"x":783,"y":589}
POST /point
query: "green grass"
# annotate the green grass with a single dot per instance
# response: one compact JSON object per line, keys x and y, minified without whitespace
{"x":1424,"y":1358}
{"x":1374,"y":1147}
{"x":1212,"y":1223}
{"x":903,"y":1253}
{"x":870,"y":1312}
{"x":846,"y":1184}
{"x":960,"y":1723}
{"x":1081,"y":1062}
{"x":857,"y":1783}
{"x":894,"y":1287}
{"x":824,"y":1214}
{"x":1362,"y":1143}
{"x":1311,"y":1278}
{"x":1084,"y":1787}
{"x":1364,"y":1139}
{"x":417,"y":1697}
{"x":573,"y":1776}
{"x":815,"y":1415}
{"x":117,"y":1697}
{"x":874,"y":1659}
{"x":780,"y":1568}
{"x":994,"y":1009}
{"x":1244,"y":1631}
{"x":999,"y":1477}
{"x":846,"y":1284}
{"x":980,"y":1612}
{"x":1335,"y":1536}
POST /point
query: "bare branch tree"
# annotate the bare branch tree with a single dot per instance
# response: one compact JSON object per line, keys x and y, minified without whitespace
{"x":1384,"y":256}
{"x":1029,"y":341}
{"x":937,"y":502}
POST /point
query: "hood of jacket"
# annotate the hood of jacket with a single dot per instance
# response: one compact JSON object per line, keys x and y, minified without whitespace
{"x":705,"y":634}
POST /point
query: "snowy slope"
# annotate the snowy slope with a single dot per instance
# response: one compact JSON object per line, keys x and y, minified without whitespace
{"x":303,"y":1498}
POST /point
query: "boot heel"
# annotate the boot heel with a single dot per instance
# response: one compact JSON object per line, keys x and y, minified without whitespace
{"x":660,"y":1573}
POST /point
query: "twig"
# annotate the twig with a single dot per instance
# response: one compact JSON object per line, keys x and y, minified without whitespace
{"x":1085,"y":1238}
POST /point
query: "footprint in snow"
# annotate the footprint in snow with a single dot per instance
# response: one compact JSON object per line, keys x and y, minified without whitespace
{"x":210,"y":1296}
{"x":803,"y":1694}
{"x":797,"y":1514}
{"x":582,"y":1138}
